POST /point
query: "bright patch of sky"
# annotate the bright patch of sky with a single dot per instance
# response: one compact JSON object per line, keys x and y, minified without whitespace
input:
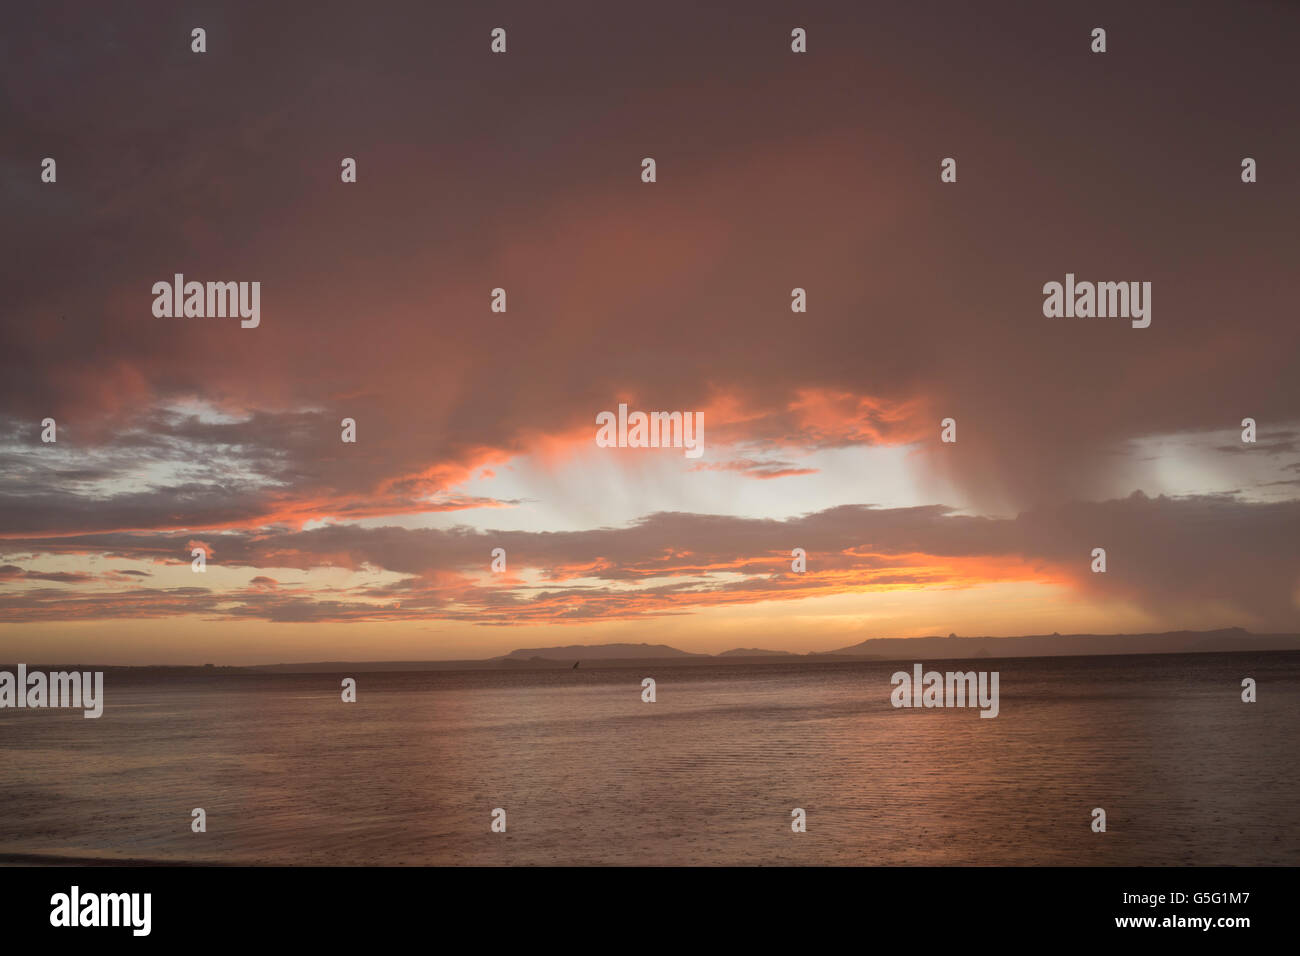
{"x":613,"y":487}
{"x":1212,"y":462}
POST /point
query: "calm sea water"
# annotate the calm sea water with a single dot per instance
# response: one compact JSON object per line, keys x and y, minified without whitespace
{"x":589,"y":774}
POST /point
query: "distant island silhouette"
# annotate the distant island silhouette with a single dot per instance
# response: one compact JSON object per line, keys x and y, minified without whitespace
{"x":951,"y":647}
{"x":933,"y":648}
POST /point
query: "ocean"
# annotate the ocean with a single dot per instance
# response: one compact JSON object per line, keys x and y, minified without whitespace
{"x":708,"y":774}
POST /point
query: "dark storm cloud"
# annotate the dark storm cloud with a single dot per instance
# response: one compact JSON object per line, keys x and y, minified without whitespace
{"x":776,"y":170}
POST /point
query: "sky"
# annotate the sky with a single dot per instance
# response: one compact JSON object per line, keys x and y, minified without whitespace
{"x":476,"y":429}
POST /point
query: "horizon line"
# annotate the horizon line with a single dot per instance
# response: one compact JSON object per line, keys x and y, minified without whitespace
{"x":679,"y":656}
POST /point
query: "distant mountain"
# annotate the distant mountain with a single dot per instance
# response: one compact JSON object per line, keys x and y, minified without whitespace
{"x":1058,"y":645}
{"x":876,"y":648}
{"x":597,"y":652}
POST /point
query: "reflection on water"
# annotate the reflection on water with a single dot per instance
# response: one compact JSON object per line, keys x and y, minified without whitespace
{"x":708,"y":774}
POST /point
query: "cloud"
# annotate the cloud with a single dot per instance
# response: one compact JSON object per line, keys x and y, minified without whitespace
{"x":1164,"y":555}
{"x":920,"y":307}
{"x":924,"y":303}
